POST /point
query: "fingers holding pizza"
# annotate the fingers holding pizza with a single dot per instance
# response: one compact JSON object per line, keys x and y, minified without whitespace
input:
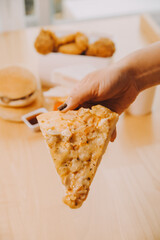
{"x":112,"y":87}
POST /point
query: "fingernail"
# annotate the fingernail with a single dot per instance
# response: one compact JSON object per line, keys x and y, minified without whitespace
{"x":63,"y":106}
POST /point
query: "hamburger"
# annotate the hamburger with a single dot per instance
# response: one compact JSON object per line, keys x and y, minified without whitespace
{"x":18,"y":87}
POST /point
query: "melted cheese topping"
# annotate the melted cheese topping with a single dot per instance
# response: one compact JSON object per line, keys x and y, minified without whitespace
{"x":77,"y":140}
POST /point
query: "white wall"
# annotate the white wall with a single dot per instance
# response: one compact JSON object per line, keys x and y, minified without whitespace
{"x":85,"y":9}
{"x":11,"y":15}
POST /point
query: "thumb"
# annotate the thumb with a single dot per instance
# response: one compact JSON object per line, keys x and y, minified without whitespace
{"x":71,"y":103}
{"x":78,"y":96}
{"x":84,"y":91}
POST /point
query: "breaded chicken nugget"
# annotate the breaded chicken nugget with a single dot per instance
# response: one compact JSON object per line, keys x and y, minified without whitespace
{"x":81,"y":41}
{"x":104,"y":47}
{"x":70,"y":48}
{"x":66,"y":39}
{"x":45,"y":42}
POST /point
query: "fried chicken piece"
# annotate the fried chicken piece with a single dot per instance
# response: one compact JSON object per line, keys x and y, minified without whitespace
{"x":45,"y":42}
{"x":73,"y":43}
{"x":70,"y":48}
{"x":66,"y":39}
{"x":104,"y":47}
{"x":81,"y":41}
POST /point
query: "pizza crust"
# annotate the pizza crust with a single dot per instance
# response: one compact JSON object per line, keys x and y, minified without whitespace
{"x":77,"y":141}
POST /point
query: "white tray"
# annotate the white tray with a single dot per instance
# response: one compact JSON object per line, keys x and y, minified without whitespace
{"x":48,"y":63}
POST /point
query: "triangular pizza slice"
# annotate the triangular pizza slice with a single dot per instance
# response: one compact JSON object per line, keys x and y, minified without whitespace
{"x":77,"y":140}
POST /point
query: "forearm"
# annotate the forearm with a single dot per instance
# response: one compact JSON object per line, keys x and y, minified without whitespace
{"x":144,"y":66}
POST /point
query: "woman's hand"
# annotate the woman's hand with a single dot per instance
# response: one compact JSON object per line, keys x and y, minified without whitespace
{"x":117,"y":86}
{"x":111,"y":87}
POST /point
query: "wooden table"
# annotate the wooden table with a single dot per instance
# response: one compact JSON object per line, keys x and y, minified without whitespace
{"x":124,"y":200}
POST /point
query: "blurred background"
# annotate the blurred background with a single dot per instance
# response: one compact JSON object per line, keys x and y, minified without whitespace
{"x":17,"y":14}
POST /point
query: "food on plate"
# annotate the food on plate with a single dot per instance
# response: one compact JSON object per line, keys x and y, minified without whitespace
{"x":77,"y":140}
{"x":70,"y":48}
{"x":18,"y":87}
{"x":104,"y":47}
{"x":81,"y":41}
{"x":46,"y":42}
{"x":66,"y":39}
{"x":73,"y":43}
{"x":76,"y":43}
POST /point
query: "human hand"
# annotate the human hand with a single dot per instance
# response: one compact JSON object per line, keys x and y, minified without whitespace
{"x":112,"y":87}
{"x":117,"y":86}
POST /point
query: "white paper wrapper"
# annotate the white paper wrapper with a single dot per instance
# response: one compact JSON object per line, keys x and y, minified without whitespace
{"x":58,"y":91}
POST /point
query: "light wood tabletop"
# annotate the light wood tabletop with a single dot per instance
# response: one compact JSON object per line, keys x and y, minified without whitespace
{"x":124,"y":200}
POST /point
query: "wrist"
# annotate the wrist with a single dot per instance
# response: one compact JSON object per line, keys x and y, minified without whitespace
{"x":143,"y":67}
{"x":128,"y":72}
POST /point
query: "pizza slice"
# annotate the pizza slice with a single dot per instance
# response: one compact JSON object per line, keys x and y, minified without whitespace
{"x":77,"y":140}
